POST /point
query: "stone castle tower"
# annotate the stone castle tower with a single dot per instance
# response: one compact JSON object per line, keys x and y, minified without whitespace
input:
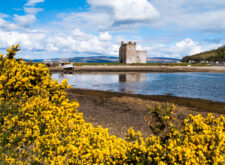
{"x":129,"y":55}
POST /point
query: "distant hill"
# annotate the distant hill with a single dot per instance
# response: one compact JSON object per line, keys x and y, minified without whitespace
{"x":94,"y":59}
{"x":110,"y":59}
{"x":41,"y":60}
{"x":212,"y":55}
{"x":106,"y":59}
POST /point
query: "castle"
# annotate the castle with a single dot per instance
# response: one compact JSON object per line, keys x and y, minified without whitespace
{"x":129,"y":55}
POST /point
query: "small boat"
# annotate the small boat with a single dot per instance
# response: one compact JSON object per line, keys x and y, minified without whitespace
{"x":68,"y":67}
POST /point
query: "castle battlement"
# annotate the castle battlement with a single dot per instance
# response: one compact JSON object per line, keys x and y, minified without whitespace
{"x":128,"y":53}
{"x":129,"y":43}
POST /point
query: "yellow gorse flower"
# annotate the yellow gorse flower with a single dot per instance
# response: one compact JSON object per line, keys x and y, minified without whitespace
{"x":38,"y":124}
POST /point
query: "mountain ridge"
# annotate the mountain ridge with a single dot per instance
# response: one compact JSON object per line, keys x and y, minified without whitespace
{"x":105,"y":59}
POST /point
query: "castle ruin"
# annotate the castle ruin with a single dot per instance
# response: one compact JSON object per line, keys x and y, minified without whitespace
{"x":129,"y":55}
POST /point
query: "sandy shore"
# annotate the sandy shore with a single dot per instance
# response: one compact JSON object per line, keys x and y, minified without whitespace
{"x":119,"y":111}
{"x":128,"y":68}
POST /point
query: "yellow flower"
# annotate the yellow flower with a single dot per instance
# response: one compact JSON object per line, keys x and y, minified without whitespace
{"x":41,"y":125}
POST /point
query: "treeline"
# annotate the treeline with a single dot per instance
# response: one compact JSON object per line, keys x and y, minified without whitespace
{"x":210,"y":56}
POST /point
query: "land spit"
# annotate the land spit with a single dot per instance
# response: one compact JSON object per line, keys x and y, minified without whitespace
{"x":119,"y":111}
{"x":130,"y":68}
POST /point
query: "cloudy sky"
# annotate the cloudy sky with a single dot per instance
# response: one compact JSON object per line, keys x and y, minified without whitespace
{"x":71,"y":28}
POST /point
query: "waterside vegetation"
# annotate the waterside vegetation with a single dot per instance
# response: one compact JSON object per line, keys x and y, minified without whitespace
{"x":39,"y":125}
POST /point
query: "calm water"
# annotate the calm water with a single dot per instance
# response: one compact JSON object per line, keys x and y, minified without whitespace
{"x":210,"y":86}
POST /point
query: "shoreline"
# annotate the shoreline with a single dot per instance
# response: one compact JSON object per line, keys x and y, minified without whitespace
{"x":122,"y":68}
{"x":194,"y":103}
{"x":119,"y":111}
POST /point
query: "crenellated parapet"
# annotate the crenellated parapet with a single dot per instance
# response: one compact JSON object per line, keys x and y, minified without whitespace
{"x":129,"y":43}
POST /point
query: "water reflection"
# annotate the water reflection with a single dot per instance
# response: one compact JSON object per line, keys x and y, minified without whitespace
{"x":127,"y":81}
{"x":132,"y":77}
{"x":195,"y":85}
{"x":62,"y":75}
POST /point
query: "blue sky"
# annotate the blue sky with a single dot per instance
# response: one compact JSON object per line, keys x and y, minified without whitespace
{"x":71,"y":28}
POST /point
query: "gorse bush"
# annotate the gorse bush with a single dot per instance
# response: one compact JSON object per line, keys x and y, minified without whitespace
{"x":39,"y":125}
{"x":160,"y":119}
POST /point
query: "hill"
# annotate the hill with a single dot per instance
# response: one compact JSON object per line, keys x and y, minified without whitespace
{"x":94,"y":59}
{"x":106,"y":59}
{"x":212,"y":55}
{"x":110,"y":59}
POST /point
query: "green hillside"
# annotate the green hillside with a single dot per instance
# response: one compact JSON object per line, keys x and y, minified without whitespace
{"x":212,"y":55}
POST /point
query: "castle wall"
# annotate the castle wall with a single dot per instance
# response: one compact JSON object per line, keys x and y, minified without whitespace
{"x":122,"y":54}
{"x":141,"y":56}
{"x":129,"y":55}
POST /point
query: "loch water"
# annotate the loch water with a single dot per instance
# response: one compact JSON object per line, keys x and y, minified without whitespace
{"x":209,"y":86}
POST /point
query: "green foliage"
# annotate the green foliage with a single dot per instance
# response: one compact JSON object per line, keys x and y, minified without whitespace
{"x":220,"y":54}
{"x":160,"y":119}
{"x":39,"y":125}
{"x":12,"y":51}
{"x":212,"y":55}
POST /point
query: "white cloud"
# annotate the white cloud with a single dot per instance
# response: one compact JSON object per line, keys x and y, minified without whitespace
{"x":128,"y":15}
{"x":3,"y":15}
{"x":76,"y":33}
{"x":32,"y":10}
{"x":206,"y":21}
{"x":21,"y":21}
{"x":25,"y":20}
{"x":79,"y":42}
{"x":28,"y":41}
{"x":85,"y":20}
{"x":29,"y":8}
{"x":118,"y":15}
{"x":37,"y":44}
{"x":179,"y":49}
{"x":127,"y":10}
{"x":111,"y":15}
{"x":33,"y":2}
{"x":105,"y":36}
{"x":192,"y":14}
{"x":5,"y":25}
{"x":188,"y":46}
{"x":59,"y":44}
{"x":104,"y":16}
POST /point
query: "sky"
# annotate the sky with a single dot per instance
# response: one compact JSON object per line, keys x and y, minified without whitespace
{"x":78,"y":28}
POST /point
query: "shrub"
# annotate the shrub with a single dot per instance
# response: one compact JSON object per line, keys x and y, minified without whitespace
{"x":160,"y":119}
{"x":39,"y":125}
